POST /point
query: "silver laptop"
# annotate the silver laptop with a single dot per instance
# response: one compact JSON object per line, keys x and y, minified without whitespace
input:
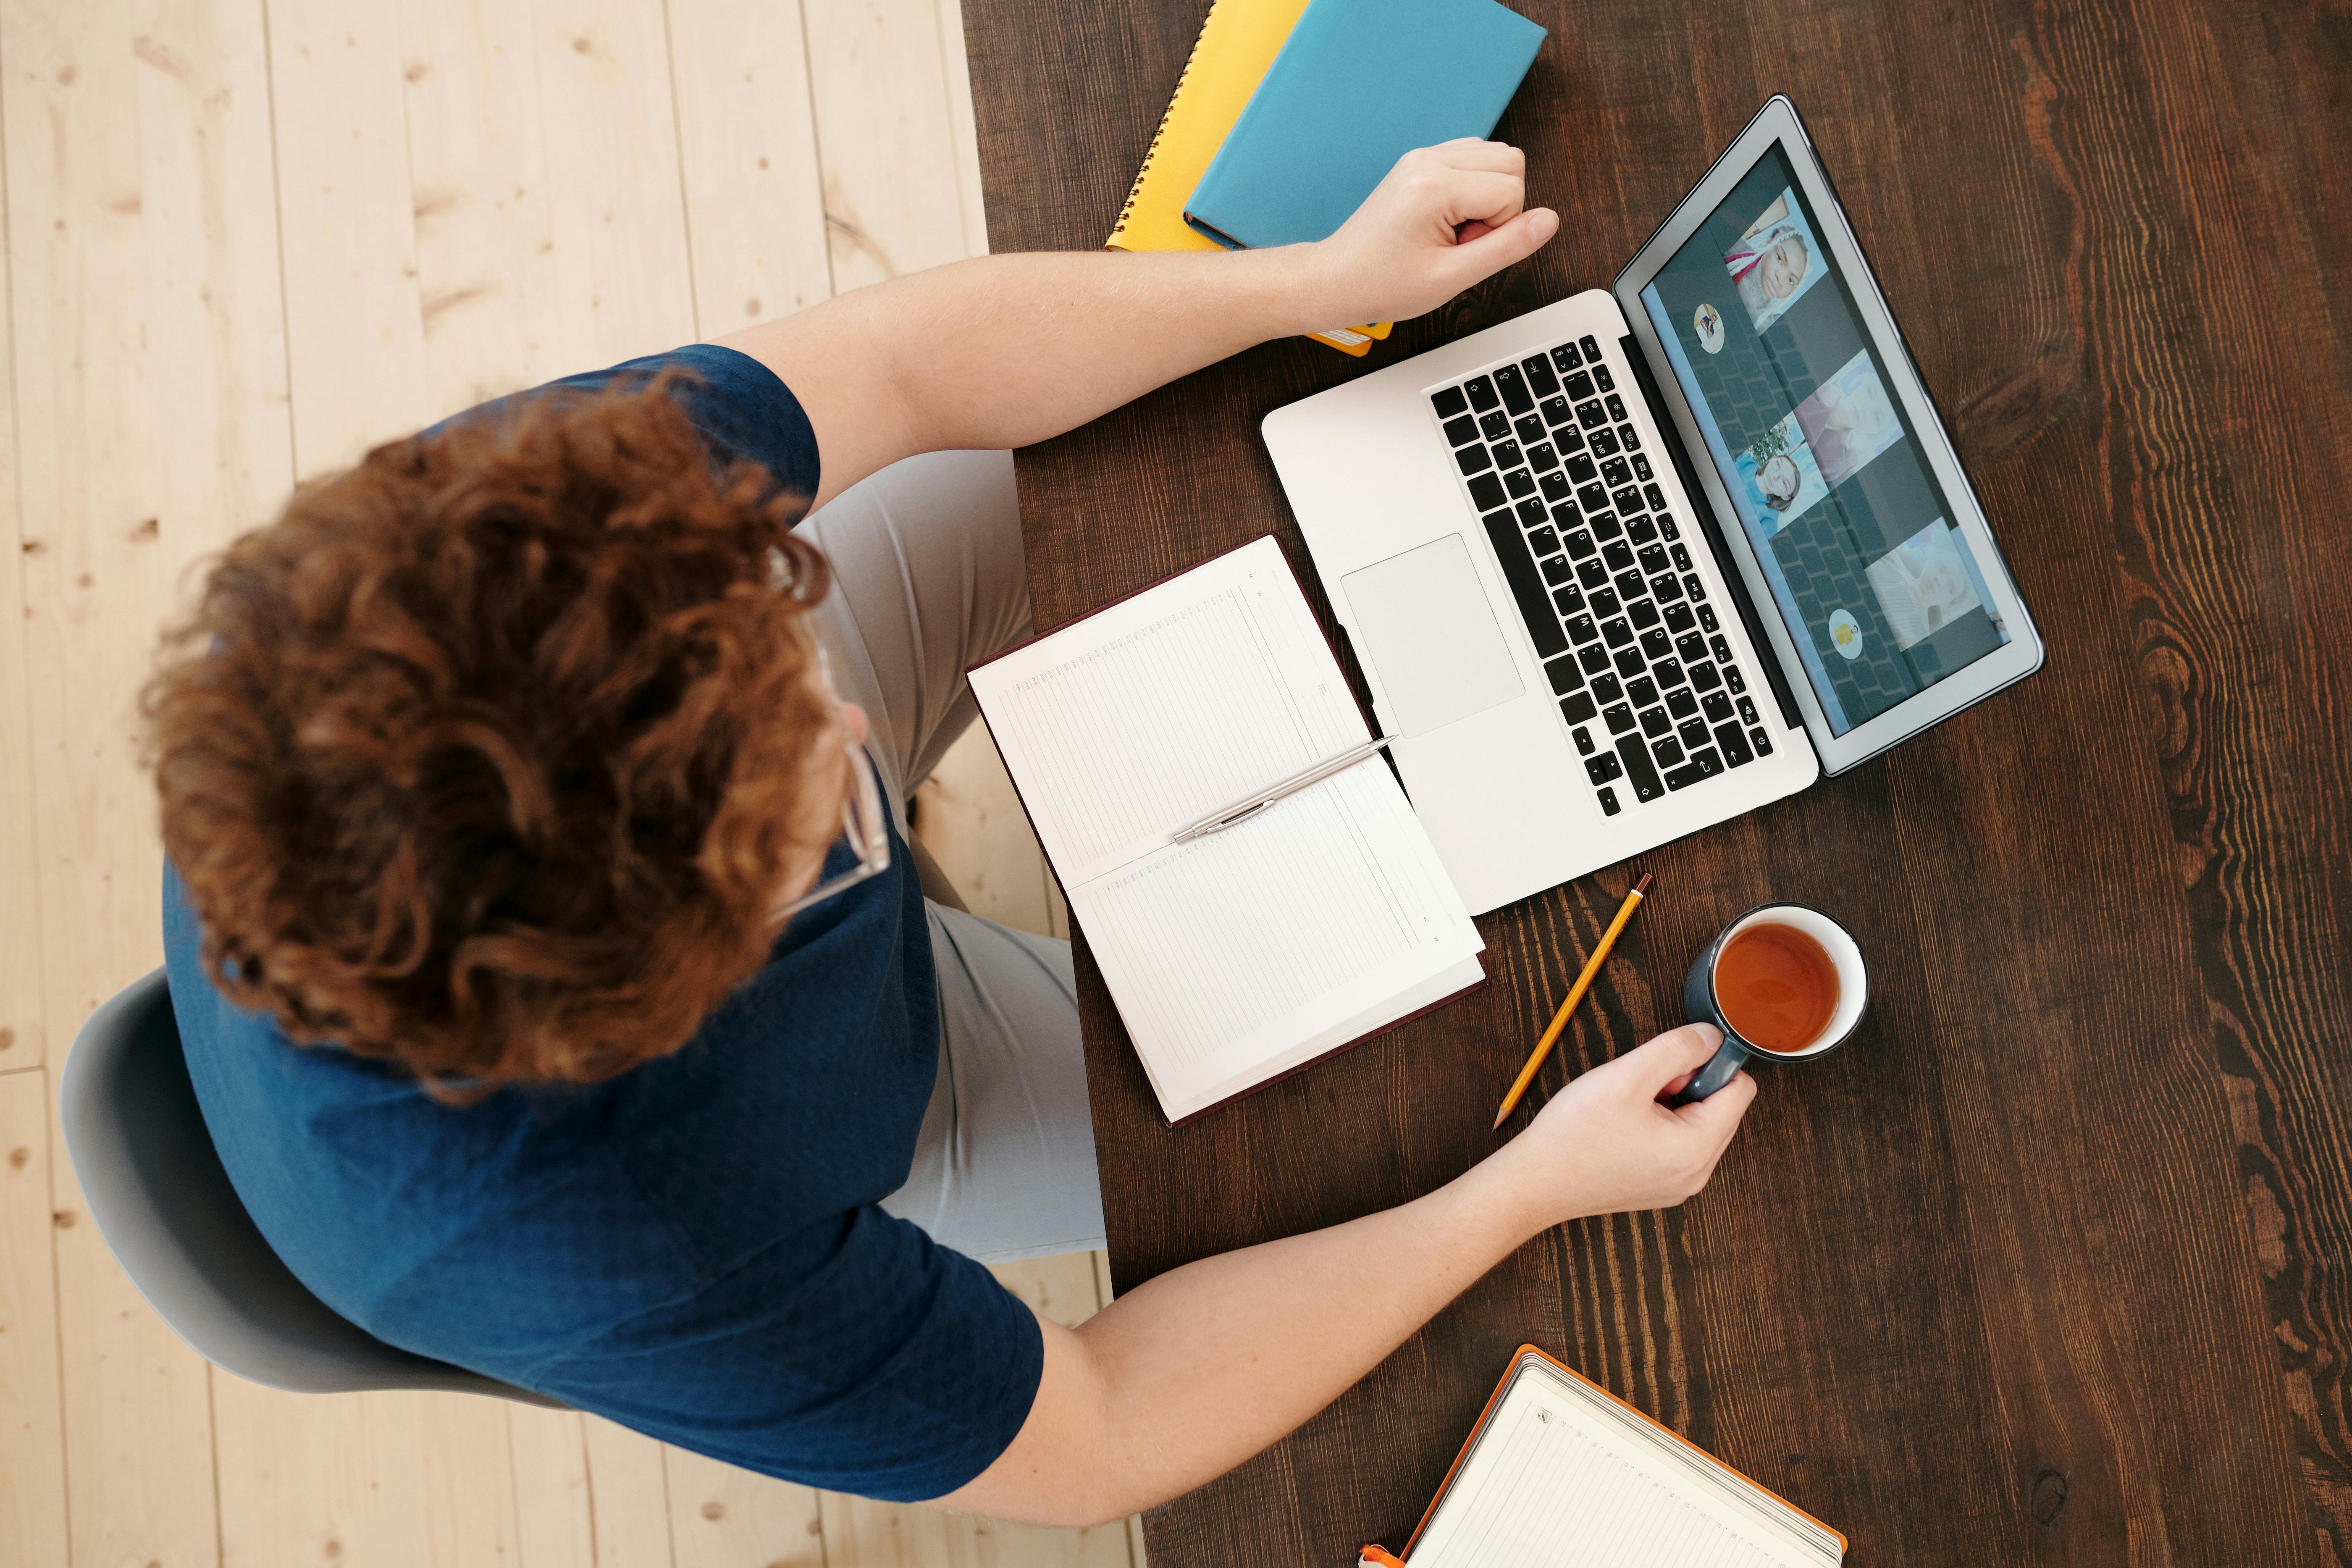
{"x":1652,"y":556}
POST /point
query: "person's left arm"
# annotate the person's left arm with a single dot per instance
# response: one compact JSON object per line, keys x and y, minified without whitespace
{"x":1005,"y":351}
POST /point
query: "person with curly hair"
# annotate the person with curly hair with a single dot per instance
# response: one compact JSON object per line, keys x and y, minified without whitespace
{"x":558,"y":978}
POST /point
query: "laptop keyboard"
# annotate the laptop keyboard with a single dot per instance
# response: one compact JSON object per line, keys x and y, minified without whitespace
{"x":1603,"y":576}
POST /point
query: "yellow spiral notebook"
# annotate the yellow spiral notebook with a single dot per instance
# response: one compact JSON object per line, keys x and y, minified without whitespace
{"x":1236,"y":45}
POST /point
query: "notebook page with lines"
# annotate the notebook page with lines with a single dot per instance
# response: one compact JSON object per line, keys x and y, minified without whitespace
{"x":1559,"y":1471}
{"x":1243,"y":956}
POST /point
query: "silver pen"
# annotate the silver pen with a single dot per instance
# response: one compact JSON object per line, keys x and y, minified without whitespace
{"x":1243,"y":810}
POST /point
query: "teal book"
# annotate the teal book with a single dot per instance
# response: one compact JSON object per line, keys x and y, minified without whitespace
{"x":1357,"y":84}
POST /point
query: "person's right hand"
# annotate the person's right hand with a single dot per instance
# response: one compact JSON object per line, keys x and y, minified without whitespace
{"x":1446,"y":218}
{"x":1607,"y":1143}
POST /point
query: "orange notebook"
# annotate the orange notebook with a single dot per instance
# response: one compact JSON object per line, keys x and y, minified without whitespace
{"x":1559,"y":1470}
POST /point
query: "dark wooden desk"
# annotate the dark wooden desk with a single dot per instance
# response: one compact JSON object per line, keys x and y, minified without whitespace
{"x":2051,"y":1265}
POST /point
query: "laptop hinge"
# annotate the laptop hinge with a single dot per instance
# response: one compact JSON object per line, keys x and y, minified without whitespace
{"x":1734,"y":582}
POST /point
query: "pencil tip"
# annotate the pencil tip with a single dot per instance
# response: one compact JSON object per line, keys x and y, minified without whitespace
{"x":1500,"y":1117}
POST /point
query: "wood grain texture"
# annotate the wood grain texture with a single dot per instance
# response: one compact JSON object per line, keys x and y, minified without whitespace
{"x":32,"y":1434}
{"x":2047,"y":1266}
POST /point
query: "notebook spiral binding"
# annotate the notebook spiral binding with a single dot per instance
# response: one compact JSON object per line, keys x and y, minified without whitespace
{"x":1152,"y":152}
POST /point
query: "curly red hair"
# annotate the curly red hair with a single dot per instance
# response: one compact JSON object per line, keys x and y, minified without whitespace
{"x":483,"y":757}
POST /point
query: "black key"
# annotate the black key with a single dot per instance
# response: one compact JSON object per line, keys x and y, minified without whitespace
{"x":1581,"y":468}
{"x":1666,"y":751}
{"x":1705,"y":678}
{"x":1564,"y":358}
{"x":1747,"y":711}
{"x":1473,"y":461}
{"x":1614,"y":632}
{"x":1458,"y":431}
{"x":1591,"y":573}
{"x":1681,"y":704}
{"x":1519,"y":482}
{"x":1604,"y":442}
{"x":1619,"y":719}
{"x":1667,"y":588}
{"x":1595,"y":658}
{"x":1653,"y":559}
{"x":1665,"y":520}
{"x":1602,"y":601}
{"x":1642,"y":469}
{"x":1702,"y":766}
{"x":1616,"y":403}
{"x":1605,"y":524}
{"x":1485,"y":489}
{"x":1762,"y":742}
{"x":1632,"y":439}
{"x":1618,"y":555}
{"x":1641,"y":612}
{"x":1654,"y":722}
{"x":1554,"y":485}
{"x":1629,"y":662}
{"x":1514,"y":388}
{"x":1602,"y":378}
{"x":1720,"y":649}
{"x":1564,"y":517}
{"x":1481,"y":392}
{"x":1580,"y":629}
{"x":1691,"y":647}
{"x":1495,"y":427}
{"x":1679,"y":618}
{"x":1705,"y":614}
{"x":1590,"y":414}
{"x":1667,"y":671}
{"x":1609,"y":806}
{"x":1580,"y":543}
{"x":1565,"y":676}
{"x":1629,"y":500}
{"x":1681,"y":558}
{"x":1555,"y":411}
{"x":1542,"y":458}
{"x":1641,"y":692}
{"x":1605,"y":688}
{"x":1506,"y":454}
{"x":1717,"y":707}
{"x":1583,"y":741}
{"x":1578,"y":387}
{"x":1579,"y":708}
{"x":1526,"y":585}
{"x":1448,"y":403}
{"x":1541,"y":380}
{"x":1603,"y":768}
{"x":1697,"y":591}
{"x":1642,"y":529}
{"x":1591,"y":347}
{"x":1733,"y":744}
{"x":1630,"y":584}
{"x":1695,"y":733}
{"x":1568,"y":595}
{"x":1568,"y":438}
{"x":1639,"y":772}
{"x":1654,"y":644}
{"x":1656,"y":497}
{"x":1556,"y":571}
{"x":1734,"y":679}
{"x":1593,"y":497}
{"x":1530,"y":430}
{"x":1533,"y":514}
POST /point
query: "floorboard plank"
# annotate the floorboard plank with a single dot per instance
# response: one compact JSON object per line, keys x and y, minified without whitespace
{"x":721,"y":1516}
{"x":32,"y":1436}
{"x":883,"y":132}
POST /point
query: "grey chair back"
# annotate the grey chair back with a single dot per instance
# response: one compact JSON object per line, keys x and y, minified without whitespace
{"x":156,"y":1188}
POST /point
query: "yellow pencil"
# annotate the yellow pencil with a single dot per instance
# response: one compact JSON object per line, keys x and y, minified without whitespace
{"x":1575,"y":994}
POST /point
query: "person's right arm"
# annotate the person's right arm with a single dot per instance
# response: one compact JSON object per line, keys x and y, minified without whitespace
{"x":1185,"y":1377}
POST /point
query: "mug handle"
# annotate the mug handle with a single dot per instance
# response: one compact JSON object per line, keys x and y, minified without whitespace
{"x":1720,"y":1069}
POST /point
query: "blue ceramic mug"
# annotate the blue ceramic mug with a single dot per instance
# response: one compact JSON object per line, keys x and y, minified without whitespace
{"x":1701,"y":1006}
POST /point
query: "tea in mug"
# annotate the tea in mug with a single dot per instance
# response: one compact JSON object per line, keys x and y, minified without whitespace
{"x":1777,"y":987}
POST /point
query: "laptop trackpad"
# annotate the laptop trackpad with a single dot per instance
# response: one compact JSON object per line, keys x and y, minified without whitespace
{"x":1425,"y":627}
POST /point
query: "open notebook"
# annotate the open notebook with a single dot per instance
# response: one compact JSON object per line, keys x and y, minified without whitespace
{"x":1559,"y":1471}
{"x":1237,"y":957}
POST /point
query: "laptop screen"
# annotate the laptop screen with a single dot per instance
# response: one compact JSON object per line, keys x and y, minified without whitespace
{"x":1880,"y":594}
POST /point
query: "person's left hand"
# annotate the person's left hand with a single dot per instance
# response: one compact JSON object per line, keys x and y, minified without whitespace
{"x":1443,"y":219}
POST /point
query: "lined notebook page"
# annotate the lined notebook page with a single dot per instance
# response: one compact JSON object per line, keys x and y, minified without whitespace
{"x":1236,"y":957}
{"x":1561,"y":1474}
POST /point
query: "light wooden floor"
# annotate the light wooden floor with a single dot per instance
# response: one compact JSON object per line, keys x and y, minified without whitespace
{"x":244,"y":241}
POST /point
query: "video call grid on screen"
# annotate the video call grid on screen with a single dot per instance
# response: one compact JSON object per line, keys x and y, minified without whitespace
{"x":1882,"y":595}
